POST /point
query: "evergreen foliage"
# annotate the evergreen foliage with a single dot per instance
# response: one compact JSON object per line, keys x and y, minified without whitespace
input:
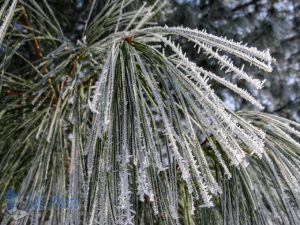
{"x":119,"y":117}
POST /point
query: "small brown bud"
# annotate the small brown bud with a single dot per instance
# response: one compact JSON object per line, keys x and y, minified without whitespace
{"x":129,"y":39}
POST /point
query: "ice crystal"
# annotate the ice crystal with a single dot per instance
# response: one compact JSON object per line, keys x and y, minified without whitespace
{"x":138,"y":96}
{"x":151,"y":139}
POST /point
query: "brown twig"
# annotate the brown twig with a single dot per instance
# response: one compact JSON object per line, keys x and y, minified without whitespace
{"x":38,"y":51}
{"x":13,"y":94}
{"x":10,"y":93}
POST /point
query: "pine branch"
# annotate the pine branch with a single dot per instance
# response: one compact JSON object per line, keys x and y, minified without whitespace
{"x":121,"y":125}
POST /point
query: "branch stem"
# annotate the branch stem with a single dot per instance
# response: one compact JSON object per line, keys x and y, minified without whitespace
{"x":37,"y":48}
